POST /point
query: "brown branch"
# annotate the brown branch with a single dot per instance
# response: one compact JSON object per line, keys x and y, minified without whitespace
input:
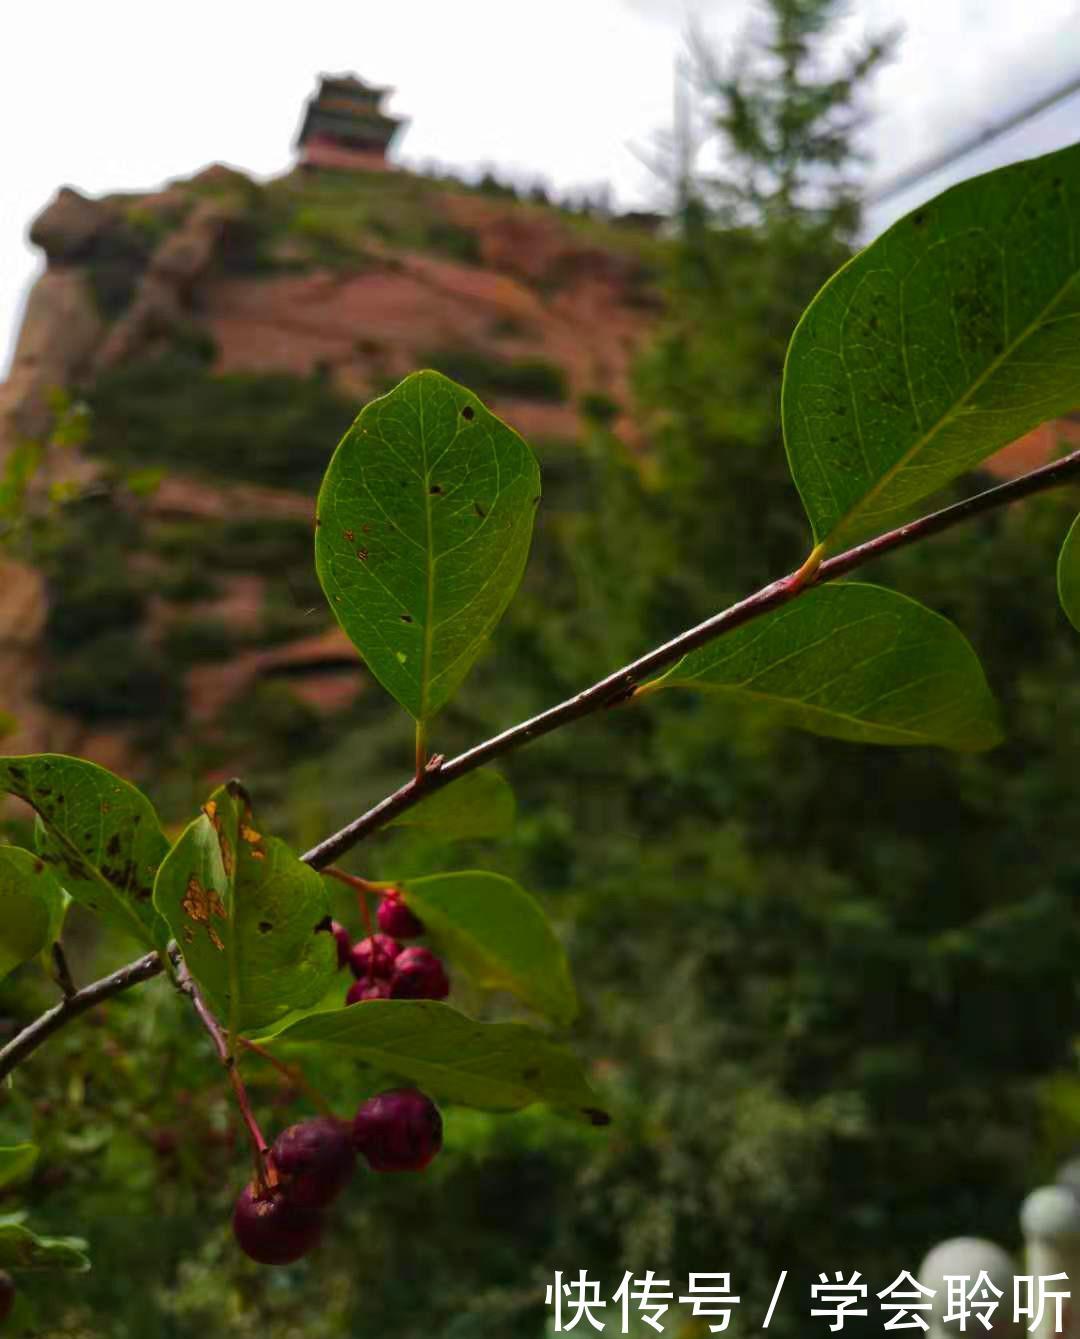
{"x":607,"y":692}
{"x":623,"y":683}
{"x":71,"y":1006}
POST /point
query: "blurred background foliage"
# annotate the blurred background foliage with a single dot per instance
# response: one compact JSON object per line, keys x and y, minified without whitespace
{"x":829,"y":991}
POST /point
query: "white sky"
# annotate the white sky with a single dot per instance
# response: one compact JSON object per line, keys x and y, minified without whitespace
{"x":119,"y":95}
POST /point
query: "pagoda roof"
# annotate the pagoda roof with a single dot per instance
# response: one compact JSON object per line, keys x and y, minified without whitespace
{"x":353,"y":81}
{"x":328,"y":112}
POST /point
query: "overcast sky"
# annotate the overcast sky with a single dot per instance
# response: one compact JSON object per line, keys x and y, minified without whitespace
{"x":120,"y":95}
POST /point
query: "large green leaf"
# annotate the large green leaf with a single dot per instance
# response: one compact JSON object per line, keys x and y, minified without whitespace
{"x":100,"y":833}
{"x":32,"y":906}
{"x":22,"y":1249}
{"x":423,"y":527}
{"x":252,"y":921}
{"x":1069,"y":574}
{"x":497,"y":933}
{"x":855,"y":662}
{"x":497,"y":1066}
{"x":16,"y":1162}
{"x":481,"y":804}
{"x":954,"y":333}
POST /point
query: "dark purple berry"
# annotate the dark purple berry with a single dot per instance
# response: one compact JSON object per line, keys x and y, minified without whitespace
{"x":272,"y":1230}
{"x":374,"y":956}
{"x":398,"y":1131}
{"x":418,"y":975}
{"x":396,"y":919}
{"x":344,"y":943}
{"x":314,"y":1161}
{"x":7,"y":1295}
{"x":367,"y":990}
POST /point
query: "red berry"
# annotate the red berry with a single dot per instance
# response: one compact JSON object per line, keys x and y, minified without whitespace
{"x":272,"y":1230}
{"x":398,"y":1131}
{"x":374,"y":956}
{"x":367,"y":990}
{"x":314,"y":1161}
{"x":418,"y":975}
{"x":396,"y":918}
{"x":7,"y":1295}
{"x":344,"y":943}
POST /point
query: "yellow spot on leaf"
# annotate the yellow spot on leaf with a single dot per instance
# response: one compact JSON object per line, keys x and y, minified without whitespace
{"x":201,"y":903}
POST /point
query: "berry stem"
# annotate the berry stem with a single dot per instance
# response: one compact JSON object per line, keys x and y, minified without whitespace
{"x":293,"y":1073}
{"x":185,"y":983}
{"x":362,"y":888}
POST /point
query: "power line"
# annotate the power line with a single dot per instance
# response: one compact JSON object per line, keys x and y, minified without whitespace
{"x":910,"y":176}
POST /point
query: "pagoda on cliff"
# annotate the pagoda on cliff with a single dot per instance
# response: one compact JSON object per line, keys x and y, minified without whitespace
{"x":344,"y":126}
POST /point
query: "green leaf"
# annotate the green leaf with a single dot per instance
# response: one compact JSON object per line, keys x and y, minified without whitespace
{"x":423,"y":527}
{"x":499,"y":935}
{"x":496,"y":1066}
{"x":481,"y":804}
{"x":22,"y":1249}
{"x":950,"y":336}
{"x":100,"y":833}
{"x":854,"y":662}
{"x":32,"y":906}
{"x":16,"y":1163}
{"x":252,"y":921}
{"x":1068,"y":574}
{"x":7,"y":724}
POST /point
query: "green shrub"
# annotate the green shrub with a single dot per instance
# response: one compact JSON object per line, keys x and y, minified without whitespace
{"x":598,"y":407}
{"x":113,"y":677}
{"x":527,"y":378}
{"x":456,"y":242}
{"x":195,"y":641}
{"x":170,"y":410}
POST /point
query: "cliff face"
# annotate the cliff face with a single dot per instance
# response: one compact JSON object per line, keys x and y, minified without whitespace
{"x":224,"y":333}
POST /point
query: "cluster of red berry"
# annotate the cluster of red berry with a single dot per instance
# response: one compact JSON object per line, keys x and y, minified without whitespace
{"x":310,"y":1164}
{"x":383,"y":968}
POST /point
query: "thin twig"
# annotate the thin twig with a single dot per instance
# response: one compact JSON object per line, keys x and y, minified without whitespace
{"x":64,"y":978}
{"x":622,"y":684}
{"x":31,"y":1037}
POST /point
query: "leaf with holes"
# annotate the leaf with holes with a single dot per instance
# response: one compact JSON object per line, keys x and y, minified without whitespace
{"x":497,"y":933}
{"x":855,"y":662}
{"x":496,"y":1066}
{"x":99,"y":833}
{"x":22,"y":1249}
{"x":481,"y":804}
{"x":252,"y":921}
{"x":32,"y":906}
{"x":1069,"y":574}
{"x":423,"y":527}
{"x":16,"y":1163}
{"x":954,"y":333}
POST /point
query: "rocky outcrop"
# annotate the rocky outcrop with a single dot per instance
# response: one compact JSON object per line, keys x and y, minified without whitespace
{"x":163,"y":295}
{"x":60,"y":332}
{"x":67,"y":229}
